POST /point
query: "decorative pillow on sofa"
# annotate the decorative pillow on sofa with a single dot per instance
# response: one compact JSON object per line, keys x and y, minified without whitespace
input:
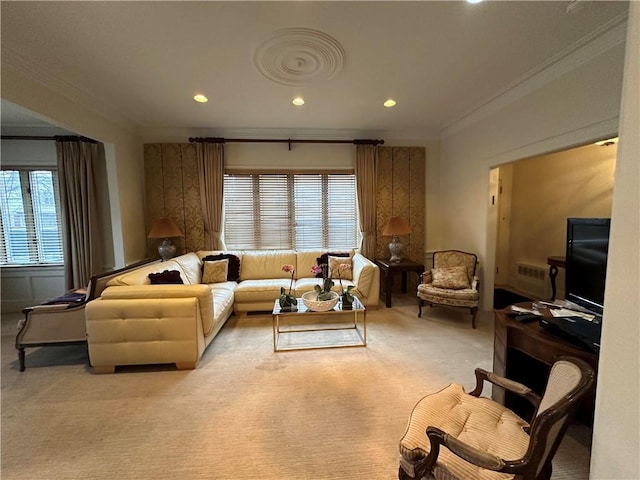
{"x":233,"y":270}
{"x":215,"y":271}
{"x":335,"y":270}
{"x":453,"y":278}
{"x":169,"y":277}
{"x":323,"y":261}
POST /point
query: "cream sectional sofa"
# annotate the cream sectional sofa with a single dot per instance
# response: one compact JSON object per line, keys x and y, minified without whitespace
{"x":133,"y":322}
{"x":261,"y":277}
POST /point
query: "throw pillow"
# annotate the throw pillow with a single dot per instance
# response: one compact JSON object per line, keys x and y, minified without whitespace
{"x":452,"y":278}
{"x":233,"y":273}
{"x":323,"y":261}
{"x":215,"y":271}
{"x":334,"y":267}
{"x":168,"y":277}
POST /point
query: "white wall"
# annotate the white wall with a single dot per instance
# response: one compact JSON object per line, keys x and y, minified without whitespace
{"x":544,"y":191}
{"x":123,"y":152}
{"x":573,"y":109}
{"x":616,"y":441}
{"x":559,"y":115}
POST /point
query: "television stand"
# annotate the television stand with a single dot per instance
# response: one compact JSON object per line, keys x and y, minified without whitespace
{"x":525,"y":352}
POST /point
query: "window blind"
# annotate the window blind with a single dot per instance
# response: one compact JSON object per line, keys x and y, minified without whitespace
{"x":290,"y":211}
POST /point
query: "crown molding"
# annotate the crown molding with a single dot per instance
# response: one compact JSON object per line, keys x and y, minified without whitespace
{"x":589,"y":47}
{"x":77,"y":94}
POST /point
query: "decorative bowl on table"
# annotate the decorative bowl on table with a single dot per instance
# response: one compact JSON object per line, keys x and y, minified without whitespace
{"x":310,"y":300}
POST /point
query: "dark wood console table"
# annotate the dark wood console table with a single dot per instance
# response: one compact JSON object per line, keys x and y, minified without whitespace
{"x":524,"y":352}
{"x":555,"y":263}
{"x":388,"y":269}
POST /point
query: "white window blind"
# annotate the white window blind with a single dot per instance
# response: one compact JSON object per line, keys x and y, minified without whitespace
{"x":290,"y":210}
{"x":30,"y":217}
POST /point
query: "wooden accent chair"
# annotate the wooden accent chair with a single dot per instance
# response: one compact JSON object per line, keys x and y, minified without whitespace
{"x":483,"y":439}
{"x":451,"y":282}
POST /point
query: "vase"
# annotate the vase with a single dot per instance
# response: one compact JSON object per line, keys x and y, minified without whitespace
{"x":288,"y":303}
{"x":347,"y":301}
{"x":310,"y":300}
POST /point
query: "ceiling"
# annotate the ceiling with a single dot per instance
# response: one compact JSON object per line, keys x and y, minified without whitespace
{"x":140,"y":63}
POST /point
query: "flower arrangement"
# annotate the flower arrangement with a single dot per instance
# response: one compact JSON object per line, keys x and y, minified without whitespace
{"x":287,"y":300}
{"x":324,"y":291}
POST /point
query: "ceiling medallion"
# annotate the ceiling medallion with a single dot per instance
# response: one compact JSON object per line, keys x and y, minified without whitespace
{"x":299,"y":56}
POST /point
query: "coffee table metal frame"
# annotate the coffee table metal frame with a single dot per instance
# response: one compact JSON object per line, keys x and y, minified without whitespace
{"x":357,"y":310}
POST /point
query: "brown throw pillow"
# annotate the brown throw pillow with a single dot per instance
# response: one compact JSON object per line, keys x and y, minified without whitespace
{"x":169,"y":277}
{"x":233,"y":271}
{"x":452,"y":278}
{"x":215,"y":271}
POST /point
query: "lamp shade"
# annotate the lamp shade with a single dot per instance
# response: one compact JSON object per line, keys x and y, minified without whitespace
{"x":164,"y":228}
{"x":396,"y":226}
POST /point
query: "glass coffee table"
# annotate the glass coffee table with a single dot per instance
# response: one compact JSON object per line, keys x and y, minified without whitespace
{"x":293,"y":323}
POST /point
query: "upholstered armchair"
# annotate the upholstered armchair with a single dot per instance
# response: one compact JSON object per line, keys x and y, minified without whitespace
{"x":451,"y":282}
{"x":455,"y":435}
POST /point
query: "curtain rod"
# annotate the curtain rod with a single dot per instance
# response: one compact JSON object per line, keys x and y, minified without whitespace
{"x":54,"y":138}
{"x":288,"y":140}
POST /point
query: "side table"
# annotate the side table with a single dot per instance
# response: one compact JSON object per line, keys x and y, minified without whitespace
{"x":555,"y":263}
{"x":389,"y":269}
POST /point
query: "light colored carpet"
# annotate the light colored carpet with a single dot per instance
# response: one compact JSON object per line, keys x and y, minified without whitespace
{"x":245,"y":412}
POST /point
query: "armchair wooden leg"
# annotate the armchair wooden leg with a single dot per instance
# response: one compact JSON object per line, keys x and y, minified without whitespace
{"x":420,"y":303}
{"x":21,"y":358}
{"x":474,"y":312}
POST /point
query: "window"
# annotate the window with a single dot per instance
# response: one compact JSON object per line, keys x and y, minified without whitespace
{"x":30,"y":217}
{"x":290,"y":210}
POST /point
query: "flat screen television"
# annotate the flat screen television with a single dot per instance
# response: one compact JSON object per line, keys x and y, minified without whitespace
{"x":586,"y":262}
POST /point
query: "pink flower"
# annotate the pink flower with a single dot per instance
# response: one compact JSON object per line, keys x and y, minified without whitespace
{"x":288,"y":268}
{"x":316,"y":269}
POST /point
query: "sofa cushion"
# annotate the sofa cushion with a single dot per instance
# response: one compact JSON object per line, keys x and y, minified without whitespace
{"x":233,"y":270}
{"x":249,"y":291}
{"x":305,"y":259}
{"x":215,"y":271}
{"x":168,"y":277}
{"x":476,"y":421}
{"x":190,"y":264}
{"x":265,"y":264}
{"x":140,"y":276}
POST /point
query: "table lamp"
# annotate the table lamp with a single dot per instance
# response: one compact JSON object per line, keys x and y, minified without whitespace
{"x":165,"y":228}
{"x":396,"y":226}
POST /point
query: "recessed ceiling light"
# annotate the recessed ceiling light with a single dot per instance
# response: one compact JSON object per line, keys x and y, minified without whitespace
{"x":298,"y":101}
{"x":390,"y":103}
{"x":474,"y":1}
{"x":200,"y":98}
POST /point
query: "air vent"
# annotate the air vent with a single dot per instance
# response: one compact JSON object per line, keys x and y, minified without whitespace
{"x":532,"y":280}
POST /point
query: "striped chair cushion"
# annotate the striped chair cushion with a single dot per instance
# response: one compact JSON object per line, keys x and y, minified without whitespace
{"x":479,"y":422}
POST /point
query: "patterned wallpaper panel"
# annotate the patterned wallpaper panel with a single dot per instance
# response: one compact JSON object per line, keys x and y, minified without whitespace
{"x":401,"y":193}
{"x":173,"y":190}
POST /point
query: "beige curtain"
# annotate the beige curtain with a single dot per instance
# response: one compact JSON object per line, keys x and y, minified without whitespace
{"x":83,"y":251}
{"x":211,"y":165}
{"x":366,"y":164}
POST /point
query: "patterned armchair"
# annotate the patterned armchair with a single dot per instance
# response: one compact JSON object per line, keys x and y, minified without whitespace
{"x":453,"y":435}
{"x":451,"y":282}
